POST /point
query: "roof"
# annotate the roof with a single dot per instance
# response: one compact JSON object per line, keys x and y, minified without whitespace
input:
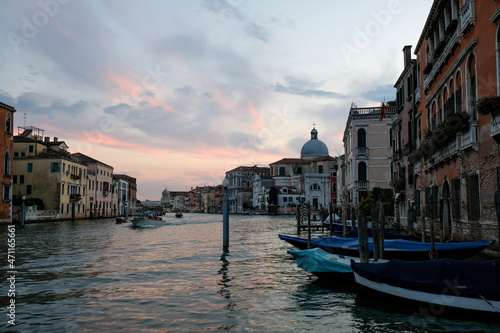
{"x":314,"y":147}
{"x":88,"y":159}
{"x":288,"y":160}
{"x":8,"y":107}
{"x":252,"y":168}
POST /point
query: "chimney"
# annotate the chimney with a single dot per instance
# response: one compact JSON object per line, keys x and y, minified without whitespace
{"x":47,"y":139}
{"x":407,"y":55}
{"x":56,"y":138}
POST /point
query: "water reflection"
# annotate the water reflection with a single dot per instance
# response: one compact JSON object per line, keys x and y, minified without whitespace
{"x":224,"y":281}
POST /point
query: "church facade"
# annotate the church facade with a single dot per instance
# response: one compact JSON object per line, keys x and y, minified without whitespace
{"x":309,"y":175}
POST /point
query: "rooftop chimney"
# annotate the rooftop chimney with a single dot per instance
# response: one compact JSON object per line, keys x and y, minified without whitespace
{"x":56,"y":138}
{"x":407,"y":55}
{"x":47,"y":139}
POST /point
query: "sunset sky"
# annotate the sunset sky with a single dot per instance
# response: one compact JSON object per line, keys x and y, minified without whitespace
{"x":175,"y":93}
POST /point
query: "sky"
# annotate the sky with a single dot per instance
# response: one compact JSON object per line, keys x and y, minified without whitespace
{"x":175,"y":93}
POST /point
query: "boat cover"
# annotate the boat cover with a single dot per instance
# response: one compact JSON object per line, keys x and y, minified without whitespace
{"x":396,"y":244}
{"x":318,"y":260}
{"x":473,"y":279}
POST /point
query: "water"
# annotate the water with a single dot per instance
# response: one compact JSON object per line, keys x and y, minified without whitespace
{"x":98,"y":276}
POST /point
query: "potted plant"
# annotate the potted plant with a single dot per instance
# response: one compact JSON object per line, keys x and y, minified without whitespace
{"x":488,"y":105}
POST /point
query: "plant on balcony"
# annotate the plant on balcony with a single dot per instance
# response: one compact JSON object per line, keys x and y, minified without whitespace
{"x":488,"y":105}
{"x":397,"y":184}
{"x":415,"y":156}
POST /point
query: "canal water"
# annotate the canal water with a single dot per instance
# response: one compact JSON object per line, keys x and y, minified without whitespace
{"x":98,"y":276}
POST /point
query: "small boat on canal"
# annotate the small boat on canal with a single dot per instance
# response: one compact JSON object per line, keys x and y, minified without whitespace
{"x":120,"y":220}
{"x":458,"y":284}
{"x":141,"y":222}
{"x":393,"y":248}
{"x":178,"y":214}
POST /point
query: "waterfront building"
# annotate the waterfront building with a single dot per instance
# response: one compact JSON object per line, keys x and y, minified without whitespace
{"x":368,"y":151}
{"x":46,"y":171}
{"x":406,"y":137}
{"x":6,"y":151}
{"x":240,"y":179}
{"x":458,"y":86}
{"x":259,"y":199}
{"x":179,"y":200}
{"x":165,"y":199}
{"x":127,"y":194}
{"x":102,"y":200}
{"x":309,"y":175}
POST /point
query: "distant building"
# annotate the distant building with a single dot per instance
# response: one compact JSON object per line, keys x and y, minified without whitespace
{"x":165,"y":199}
{"x":240,"y":179}
{"x":368,"y":152}
{"x":308,"y":175}
{"x":102,"y":199}
{"x":127,"y":194}
{"x":6,"y":150}
{"x":45,"y":170}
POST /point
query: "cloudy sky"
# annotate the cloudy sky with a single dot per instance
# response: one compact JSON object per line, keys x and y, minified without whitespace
{"x":175,"y":92}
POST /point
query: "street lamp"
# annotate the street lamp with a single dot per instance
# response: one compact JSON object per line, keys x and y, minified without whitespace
{"x":225,"y":216}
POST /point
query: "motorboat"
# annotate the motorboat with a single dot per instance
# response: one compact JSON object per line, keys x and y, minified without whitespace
{"x":142,"y":222}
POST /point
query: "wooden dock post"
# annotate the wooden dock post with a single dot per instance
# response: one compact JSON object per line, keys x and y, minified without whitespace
{"x":364,"y":254}
{"x":381,"y":229}
{"x":331,"y":219}
{"x":344,"y":220}
{"x":298,"y":215}
{"x":308,"y":226}
{"x":375,"y":233}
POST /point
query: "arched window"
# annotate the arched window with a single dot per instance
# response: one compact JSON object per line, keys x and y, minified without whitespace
{"x":8,"y":123}
{"x":451,"y":98}
{"x":471,"y":83}
{"x":7,"y":164}
{"x":458,"y":93}
{"x":362,"y":171}
{"x":439,"y":112}
{"x":361,"y":137}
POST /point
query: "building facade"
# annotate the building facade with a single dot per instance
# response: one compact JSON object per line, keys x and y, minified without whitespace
{"x":368,"y":152}
{"x":45,"y":170}
{"x":126,"y":190}
{"x":102,"y":200}
{"x":6,"y":151}
{"x":406,"y":139}
{"x":240,"y":179}
{"x":457,"y":163}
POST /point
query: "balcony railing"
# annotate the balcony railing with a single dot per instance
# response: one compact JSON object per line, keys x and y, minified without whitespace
{"x":362,"y":151}
{"x":467,"y":15}
{"x":362,"y":184}
{"x":495,"y":124}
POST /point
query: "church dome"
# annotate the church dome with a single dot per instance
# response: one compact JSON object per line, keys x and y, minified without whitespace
{"x":313,"y":148}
